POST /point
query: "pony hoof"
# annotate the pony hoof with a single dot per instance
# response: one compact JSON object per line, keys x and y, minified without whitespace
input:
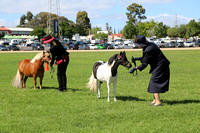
{"x":115,"y":100}
{"x":108,"y":100}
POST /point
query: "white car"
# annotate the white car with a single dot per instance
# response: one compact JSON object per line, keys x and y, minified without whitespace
{"x":92,"y":46}
{"x":189,"y":44}
{"x":116,"y":46}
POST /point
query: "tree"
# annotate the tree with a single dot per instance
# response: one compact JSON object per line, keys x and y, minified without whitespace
{"x":109,"y":29}
{"x":29,"y":16}
{"x":67,"y":30}
{"x":160,"y":30}
{"x":83,"y":20}
{"x":2,"y":35}
{"x":100,"y":36}
{"x":95,"y":29}
{"x":79,"y":29}
{"x":39,"y":32}
{"x":22,"y":21}
{"x":172,"y":32}
{"x":129,"y":31}
{"x":135,"y":13}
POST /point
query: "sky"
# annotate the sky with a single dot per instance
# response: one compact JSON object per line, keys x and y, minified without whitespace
{"x":101,"y":12}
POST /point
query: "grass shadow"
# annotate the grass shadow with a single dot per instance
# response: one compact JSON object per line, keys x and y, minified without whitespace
{"x":181,"y":102}
{"x":129,"y":98}
{"x":68,"y":89}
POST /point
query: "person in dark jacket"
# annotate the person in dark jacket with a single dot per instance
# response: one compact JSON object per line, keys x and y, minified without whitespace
{"x":152,"y":55}
{"x":62,"y":60}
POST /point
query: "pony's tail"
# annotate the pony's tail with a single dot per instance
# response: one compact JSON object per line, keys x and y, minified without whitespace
{"x":92,"y":84}
{"x":17,"y":81}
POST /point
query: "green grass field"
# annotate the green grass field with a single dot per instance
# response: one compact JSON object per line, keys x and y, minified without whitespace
{"x":78,"y":109}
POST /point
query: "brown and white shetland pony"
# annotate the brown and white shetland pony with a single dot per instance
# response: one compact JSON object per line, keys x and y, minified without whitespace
{"x":107,"y":72}
{"x":31,"y":68}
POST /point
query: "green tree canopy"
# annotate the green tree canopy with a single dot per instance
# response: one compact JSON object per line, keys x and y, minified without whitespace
{"x":160,"y":30}
{"x":135,"y":13}
{"x":83,"y":20}
{"x":100,"y":36}
{"x":130,"y":31}
{"x":39,"y":32}
{"x":67,"y":30}
{"x":95,"y":29}
{"x":29,"y":16}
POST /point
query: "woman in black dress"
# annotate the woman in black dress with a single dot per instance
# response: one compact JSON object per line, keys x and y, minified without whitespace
{"x":62,"y":59}
{"x":152,"y":55}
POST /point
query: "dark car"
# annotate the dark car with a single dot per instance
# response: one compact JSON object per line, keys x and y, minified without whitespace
{"x":74,"y":46}
{"x":197,"y":43}
{"x":180,"y":44}
{"x":13,"y":48}
{"x":3,"y":48}
{"x":108,"y":46}
{"x":37,"y":46}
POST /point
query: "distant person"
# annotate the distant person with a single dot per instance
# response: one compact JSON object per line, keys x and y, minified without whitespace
{"x":152,"y":55}
{"x":62,"y":60}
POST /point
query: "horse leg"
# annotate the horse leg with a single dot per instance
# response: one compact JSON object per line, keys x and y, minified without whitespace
{"x":34,"y":78}
{"x":108,"y":86}
{"x":21,"y":79}
{"x":41,"y":78}
{"x":24,"y":81}
{"x":114,"y":90}
{"x":98,"y":89}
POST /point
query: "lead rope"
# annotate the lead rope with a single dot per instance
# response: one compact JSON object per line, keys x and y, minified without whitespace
{"x":134,"y":62}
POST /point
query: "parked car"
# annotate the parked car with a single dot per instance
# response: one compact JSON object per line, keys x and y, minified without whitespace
{"x":108,"y":46}
{"x":197,"y":43}
{"x":65,"y":47}
{"x":189,"y":44}
{"x":180,"y":44}
{"x":37,"y":46}
{"x":172,"y":44}
{"x":74,"y":46}
{"x":118,"y":41}
{"x":163,"y":45}
{"x":84,"y":47}
{"x":116,"y":46}
{"x":15,"y":41}
{"x":101,"y":46}
{"x":13,"y":48}
{"x":3,"y":48}
{"x":128,"y":41}
{"x":92,"y":46}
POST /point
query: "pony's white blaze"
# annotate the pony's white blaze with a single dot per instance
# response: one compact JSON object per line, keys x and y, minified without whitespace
{"x":107,"y":72}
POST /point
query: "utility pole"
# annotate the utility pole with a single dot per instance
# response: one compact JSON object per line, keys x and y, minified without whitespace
{"x":53,"y":8}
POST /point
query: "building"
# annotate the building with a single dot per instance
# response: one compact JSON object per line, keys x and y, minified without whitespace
{"x":115,"y":37}
{"x":16,"y":31}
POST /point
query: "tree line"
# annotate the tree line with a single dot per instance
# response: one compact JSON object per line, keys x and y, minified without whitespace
{"x":134,"y":26}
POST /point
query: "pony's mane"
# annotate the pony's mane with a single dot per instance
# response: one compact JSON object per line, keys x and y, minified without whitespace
{"x":37,"y":57}
{"x":110,"y":61}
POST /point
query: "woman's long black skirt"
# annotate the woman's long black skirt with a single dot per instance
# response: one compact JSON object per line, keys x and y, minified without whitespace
{"x":159,"y":82}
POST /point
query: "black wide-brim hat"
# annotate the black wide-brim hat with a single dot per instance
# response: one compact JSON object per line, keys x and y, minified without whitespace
{"x":47,"y":38}
{"x":140,"y":39}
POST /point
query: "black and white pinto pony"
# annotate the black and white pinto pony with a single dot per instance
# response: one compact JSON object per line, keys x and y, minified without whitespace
{"x":107,"y":72}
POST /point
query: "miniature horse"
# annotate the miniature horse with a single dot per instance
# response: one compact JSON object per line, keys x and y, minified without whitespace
{"x":107,"y":72}
{"x":31,"y":68}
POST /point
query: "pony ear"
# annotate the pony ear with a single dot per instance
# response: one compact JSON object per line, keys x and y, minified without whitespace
{"x":121,"y":53}
{"x":124,"y":52}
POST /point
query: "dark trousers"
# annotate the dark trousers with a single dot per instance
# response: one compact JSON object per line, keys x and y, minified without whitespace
{"x":61,"y":75}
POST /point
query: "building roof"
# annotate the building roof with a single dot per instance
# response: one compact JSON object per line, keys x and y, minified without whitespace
{"x":5,"y":29}
{"x":20,"y":29}
{"x":120,"y":34}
